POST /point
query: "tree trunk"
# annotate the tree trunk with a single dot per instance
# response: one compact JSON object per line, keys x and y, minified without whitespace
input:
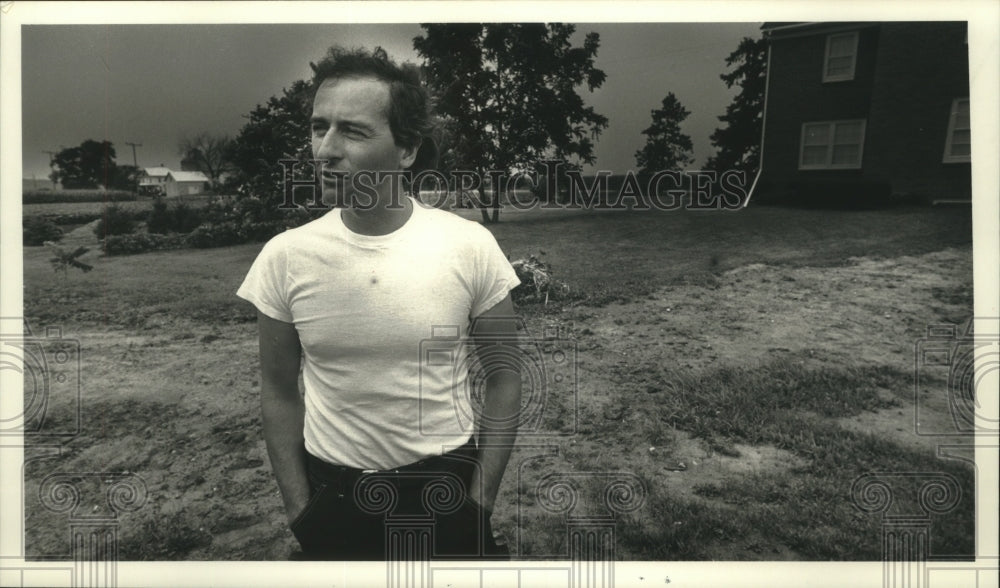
{"x":494,"y":205}
{"x":482,"y":205}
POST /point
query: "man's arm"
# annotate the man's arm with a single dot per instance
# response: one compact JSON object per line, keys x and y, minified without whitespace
{"x":501,"y":402}
{"x":283,"y":411}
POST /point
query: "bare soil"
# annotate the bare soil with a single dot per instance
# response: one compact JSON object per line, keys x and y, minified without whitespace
{"x":177,"y":403}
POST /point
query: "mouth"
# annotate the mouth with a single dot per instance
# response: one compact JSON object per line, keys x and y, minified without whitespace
{"x":334,"y":181}
{"x":334,"y":176}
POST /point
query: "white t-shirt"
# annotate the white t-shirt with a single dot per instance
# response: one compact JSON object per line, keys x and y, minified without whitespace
{"x":380,"y":392}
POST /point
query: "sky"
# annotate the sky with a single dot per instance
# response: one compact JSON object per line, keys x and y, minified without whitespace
{"x":158,"y":84}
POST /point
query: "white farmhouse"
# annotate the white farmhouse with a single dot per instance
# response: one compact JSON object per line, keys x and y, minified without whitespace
{"x":154,"y":178}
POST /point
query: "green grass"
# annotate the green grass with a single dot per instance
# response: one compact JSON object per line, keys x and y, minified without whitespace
{"x":618,"y":253}
{"x":807,"y":508}
{"x":604,"y":257}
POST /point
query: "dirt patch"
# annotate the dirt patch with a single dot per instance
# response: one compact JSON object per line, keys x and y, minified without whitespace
{"x":177,"y":403}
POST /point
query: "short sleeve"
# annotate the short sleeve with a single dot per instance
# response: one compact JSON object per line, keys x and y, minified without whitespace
{"x":494,"y":276}
{"x":265,"y":285}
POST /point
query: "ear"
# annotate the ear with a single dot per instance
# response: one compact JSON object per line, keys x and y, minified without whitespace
{"x":407,"y":155}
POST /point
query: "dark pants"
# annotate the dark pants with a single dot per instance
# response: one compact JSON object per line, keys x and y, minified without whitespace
{"x":415,"y":512}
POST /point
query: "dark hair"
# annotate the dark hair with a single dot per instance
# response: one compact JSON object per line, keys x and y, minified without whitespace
{"x":410,"y":112}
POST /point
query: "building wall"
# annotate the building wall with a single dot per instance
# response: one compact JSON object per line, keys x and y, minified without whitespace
{"x":922,"y":67}
{"x":906,"y":76}
{"x":184,"y":188}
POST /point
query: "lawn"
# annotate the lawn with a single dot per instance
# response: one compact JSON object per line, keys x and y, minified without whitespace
{"x":605,"y":255}
{"x":740,"y":369}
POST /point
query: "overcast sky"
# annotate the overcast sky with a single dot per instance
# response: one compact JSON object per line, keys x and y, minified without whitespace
{"x":155,"y":84}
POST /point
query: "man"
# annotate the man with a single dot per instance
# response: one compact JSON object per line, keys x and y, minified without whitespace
{"x":381,"y":435}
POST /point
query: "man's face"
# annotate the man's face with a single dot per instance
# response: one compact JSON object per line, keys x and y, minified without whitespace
{"x":350,"y":133}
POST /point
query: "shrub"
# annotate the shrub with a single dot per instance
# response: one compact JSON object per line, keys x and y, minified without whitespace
{"x":181,"y":219}
{"x":140,"y":243}
{"x":233,"y":233}
{"x":38,"y":229}
{"x":159,"y":221}
{"x":215,"y":235}
{"x":256,"y":232}
{"x":185,"y":219}
{"x":115,"y":221}
{"x":73,"y":218}
{"x":537,"y":284}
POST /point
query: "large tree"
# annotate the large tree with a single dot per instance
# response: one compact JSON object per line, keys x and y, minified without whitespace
{"x":90,"y":165}
{"x":208,"y":154}
{"x":124,"y":177}
{"x":667,"y":148}
{"x":508,"y":95}
{"x":738,"y":143}
{"x":275,"y":131}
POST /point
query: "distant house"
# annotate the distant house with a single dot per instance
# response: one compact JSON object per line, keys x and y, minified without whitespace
{"x":865,"y":110}
{"x":184,"y":183}
{"x":153,"y":179}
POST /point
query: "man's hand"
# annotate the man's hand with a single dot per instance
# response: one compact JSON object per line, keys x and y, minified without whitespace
{"x":501,"y":403}
{"x":294,"y":507}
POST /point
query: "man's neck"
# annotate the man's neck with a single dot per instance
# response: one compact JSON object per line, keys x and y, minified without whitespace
{"x":379,"y":220}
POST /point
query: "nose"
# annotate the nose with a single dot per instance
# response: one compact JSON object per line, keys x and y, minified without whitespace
{"x":329,"y":148}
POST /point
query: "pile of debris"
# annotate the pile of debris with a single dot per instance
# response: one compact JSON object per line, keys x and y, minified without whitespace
{"x":537,"y":283}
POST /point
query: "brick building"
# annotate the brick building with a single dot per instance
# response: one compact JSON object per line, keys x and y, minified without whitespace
{"x":861,"y":111}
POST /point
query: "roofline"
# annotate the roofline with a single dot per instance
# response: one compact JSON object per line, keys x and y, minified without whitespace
{"x":811,"y":28}
{"x":795,"y":25}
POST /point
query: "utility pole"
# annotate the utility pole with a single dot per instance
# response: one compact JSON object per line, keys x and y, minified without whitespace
{"x":135,"y":164}
{"x":52,"y":156}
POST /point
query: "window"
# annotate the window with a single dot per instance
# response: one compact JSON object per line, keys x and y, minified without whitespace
{"x":958,"y":142}
{"x":832,"y":145}
{"x":841,"y":53}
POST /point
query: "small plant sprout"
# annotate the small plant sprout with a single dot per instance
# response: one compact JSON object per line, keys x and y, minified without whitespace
{"x":62,"y":260}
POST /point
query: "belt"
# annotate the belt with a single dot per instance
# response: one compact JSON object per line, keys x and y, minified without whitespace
{"x":455,"y":460}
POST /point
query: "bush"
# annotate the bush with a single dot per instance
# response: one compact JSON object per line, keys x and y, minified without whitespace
{"x":74,"y":218}
{"x":52,"y":196}
{"x":37,"y":230}
{"x":215,"y":235}
{"x":162,"y":220}
{"x":537,"y":283}
{"x":115,"y":221}
{"x":140,"y":243}
{"x":184,"y":218}
{"x":159,"y":221}
{"x":233,"y":233}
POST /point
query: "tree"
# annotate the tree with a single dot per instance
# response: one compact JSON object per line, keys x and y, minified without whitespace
{"x":209,"y":154}
{"x":738,"y":143}
{"x":124,"y":177}
{"x":90,"y":165}
{"x":274,"y":131}
{"x":667,"y":148}
{"x":508,"y":95}
{"x":278,"y":130}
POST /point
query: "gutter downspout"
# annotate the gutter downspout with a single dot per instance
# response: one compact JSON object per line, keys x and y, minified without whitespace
{"x":763,"y":126}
